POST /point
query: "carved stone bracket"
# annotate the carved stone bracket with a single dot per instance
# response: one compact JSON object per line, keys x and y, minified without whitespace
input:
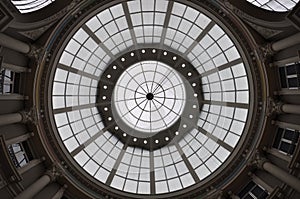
{"x":35,"y":52}
{"x":265,"y":52}
{"x":274,"y":106}
{"x":54,"y":172}
{"x":258,"y":160}
{"x":29,"y":116}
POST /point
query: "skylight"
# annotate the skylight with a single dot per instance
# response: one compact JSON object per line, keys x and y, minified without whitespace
{"x":198,"y":149}
{"x":27,"y":6}
{"x":149,"y":96}
{"x":275,"y":5}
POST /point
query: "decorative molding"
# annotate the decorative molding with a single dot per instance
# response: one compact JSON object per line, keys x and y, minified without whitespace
{"x":259,"y":25}
{"x":35,"y":52}
{"x":258,"y":160}
{"x":267,"y":33}
{"x":54,"y":172}
{"x":35,"y":34}
{"x":273,"y":106}
{"x":5,"y":17}
{"x":294,"y":16}
{"x":30,"y":116}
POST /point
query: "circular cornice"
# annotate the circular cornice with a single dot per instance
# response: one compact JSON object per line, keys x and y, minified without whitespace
{"x":107,"y":86}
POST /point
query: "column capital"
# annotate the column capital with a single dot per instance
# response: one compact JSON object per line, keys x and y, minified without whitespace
{"x":265,"y":52}
{"x":35,"y":52}
{"x":259,"y":160}
{"x":274,"y":106}
{"x":54,"y":172}
{"x":268,"y":50}
{"x":25,"y":116}
{"x":232,"y":195}
{"x":29,"y":116}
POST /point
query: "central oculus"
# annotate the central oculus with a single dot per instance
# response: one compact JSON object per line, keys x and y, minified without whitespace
{"x":149,"y":96}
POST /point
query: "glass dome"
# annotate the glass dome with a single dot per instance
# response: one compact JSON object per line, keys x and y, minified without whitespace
{"x":149,"y":96}
{"x":275,"y":5}
{"x":28,"y":6}
{"x":182,"y":73}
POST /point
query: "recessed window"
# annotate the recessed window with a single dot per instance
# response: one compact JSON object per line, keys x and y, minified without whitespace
{"x":252,"y":190}
{"x":290,"y":76}
{"x":9,"y":81}
{"x":20,"y":154}
{"x":286,"y":140}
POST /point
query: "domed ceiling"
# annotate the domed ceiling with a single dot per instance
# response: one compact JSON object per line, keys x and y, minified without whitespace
{"x":150,"y":97}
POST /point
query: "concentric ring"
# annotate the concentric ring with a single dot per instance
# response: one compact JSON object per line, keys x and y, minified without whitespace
{"x":164,"y":104}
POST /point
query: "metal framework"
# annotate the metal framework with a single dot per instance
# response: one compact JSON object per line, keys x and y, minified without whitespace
{"x":81,"y":76}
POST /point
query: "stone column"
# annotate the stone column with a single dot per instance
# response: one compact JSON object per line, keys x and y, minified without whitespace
{"x":279,"y":173}
{"x":286,"y":42}
{"x":290,"y":108}
{"x":11,"y":118}
{"x":13,"y":97}
{"x":30,"y":165}
{"x":60,"y":192}
{"x":22,"y":116}
{"x":15,"y":68}
{"x":38,"y":185}
{"x":18,"y":139}
{"x":14,"y":44}
{"x":280,"y":107}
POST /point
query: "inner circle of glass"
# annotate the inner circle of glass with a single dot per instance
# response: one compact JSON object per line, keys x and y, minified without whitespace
{"x":149,"y":96}
{"x":185,"y":30}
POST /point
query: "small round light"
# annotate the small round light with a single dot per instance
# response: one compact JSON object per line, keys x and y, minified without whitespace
{"x":116,"y":128}
{"x":104,"y":97}
{"x":182,"y":65}
{"x":191,"y":116}
{"x":114,"y":67}
{"x":124,"y":134}
{"x":122,"y":59}
{"x":156,"y":141}
{"x":105,"y":87}
{"x":165,"y":53}
{"x":108,"y":76}
{"x":167,"y":138}
{"x":153,"y":51}
{"x":109,"y":118}
{"x":189,"y":74}
{"x":105,"y":109}
{"x":176,"y":133}
{"x":195,"y":95}
{"x":145,"y":141}
{"x":194,"y":84}
{"x":131,"y":54}
{"x":174,"y":58}
{"x":134,"y":139}
{"x":184,"y":126}
{"x":194,"y":106}
{"x":143,"y":51}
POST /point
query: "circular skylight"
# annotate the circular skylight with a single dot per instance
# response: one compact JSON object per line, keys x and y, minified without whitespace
{"x":149,"y":96}
{"x":275,"y":5}
{"x":209,"y":106}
